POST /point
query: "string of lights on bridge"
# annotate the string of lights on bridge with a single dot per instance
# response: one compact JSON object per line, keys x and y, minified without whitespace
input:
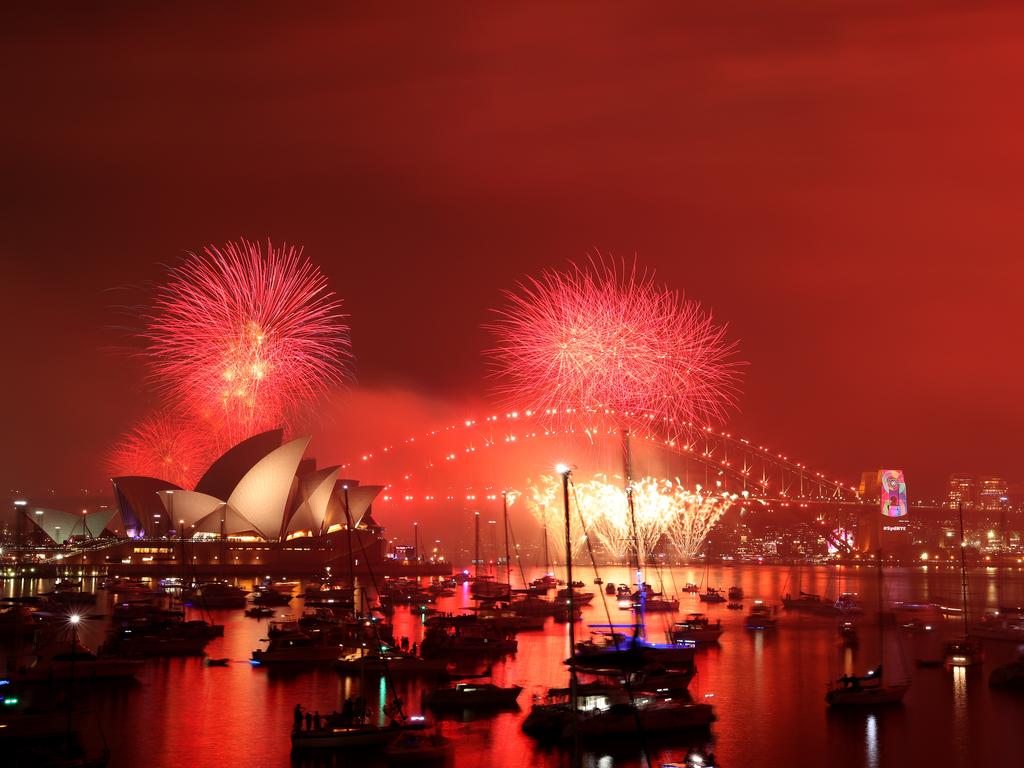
{"x":688,"y":446}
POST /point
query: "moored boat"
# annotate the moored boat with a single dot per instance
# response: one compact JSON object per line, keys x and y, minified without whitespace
{"x":696,"y":627}
{"x":473,"y":695}
{"x":760,"y":617}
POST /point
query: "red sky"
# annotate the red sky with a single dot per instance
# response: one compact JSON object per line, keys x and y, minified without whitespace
{"x":840,"y":182}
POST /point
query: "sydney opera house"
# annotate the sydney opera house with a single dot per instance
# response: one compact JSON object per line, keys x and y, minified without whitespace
{"x":262,"y":506}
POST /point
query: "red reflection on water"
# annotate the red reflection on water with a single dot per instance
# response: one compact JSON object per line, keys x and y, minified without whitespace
{"x":767,"y":688}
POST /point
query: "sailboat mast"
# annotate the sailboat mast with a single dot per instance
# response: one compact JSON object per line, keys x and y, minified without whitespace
{"x":572,"y":605}
{"x":547,"y":554}
{"x":638,"y":616}
{"x":476,"y":545}
{"x":963,"y":563}
{"x":508,"y":557}
{"x":881,"y":603}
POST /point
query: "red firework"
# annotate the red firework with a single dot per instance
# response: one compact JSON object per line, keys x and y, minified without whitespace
{"x":611,"y":340}
{"x":246,"y":338}
{"x":163,"y":447}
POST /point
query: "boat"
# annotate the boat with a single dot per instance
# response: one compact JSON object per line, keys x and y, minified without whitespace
{"x":296,"y":648}
{"x":734,"y":606}
{"x":712,"y":595}
{"x":473,"y":696}
{"x":691,"y":588}
{"x":66,"y":660}
{"x":696,"y":627}
{"x":848,"y":633}
{"x":865,"y":690}
{"x":580,"y":598}
{"x":340,"y":737}
{"x":847,"y":603}
{"x":609,"y":588}
{"x":259,"y":612}
{"x":215,"y":594}
{"x":616,"y":652}
{"x":217,"y":662}
{"x":534,"y":606}
{"x":808,"y":603}
{"x":696,"y":759}
{"x":963,"y":651}
{"x":760,"y":617}
{"x":271,"y":597}
{"x":735,"y":593}
{"x":603,"y":712}
{"x":1000,"y":626}
{"x":416,"y":747}
{"x":1008,"y":676}
{"x":870,"y":689}
{"x":396,"y":663}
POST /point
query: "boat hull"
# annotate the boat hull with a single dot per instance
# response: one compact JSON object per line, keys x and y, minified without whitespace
{"x":867,"y":697}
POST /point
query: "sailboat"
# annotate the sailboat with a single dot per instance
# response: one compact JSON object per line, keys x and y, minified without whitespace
{"x":871,"y":688}
{"x":600,"y":711}
{"x":485,"y":586}
{"x":710,"y":594}
{"x":963,"y":652}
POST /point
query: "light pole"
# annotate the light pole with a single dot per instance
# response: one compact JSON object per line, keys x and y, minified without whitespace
{"x":19,"y":535}
{"x":351,"y":554}
{"x":564,"y":471}
{"x":73,"y":620}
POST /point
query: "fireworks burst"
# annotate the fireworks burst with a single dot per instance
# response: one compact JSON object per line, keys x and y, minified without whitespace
{"x":663,"y":509}
{"x":162,"y":447}
{"x":607,"y":340}
{"x":246,"y":338}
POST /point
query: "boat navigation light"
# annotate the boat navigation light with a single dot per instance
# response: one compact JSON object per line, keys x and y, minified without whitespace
{"x":74,"y":618}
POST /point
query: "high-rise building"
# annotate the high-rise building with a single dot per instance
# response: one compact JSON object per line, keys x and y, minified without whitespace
{"x":992,"y":493}
{"x":963,"y":489}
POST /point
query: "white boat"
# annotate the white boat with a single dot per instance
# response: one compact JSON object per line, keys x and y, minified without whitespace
{"x":698,"y":628}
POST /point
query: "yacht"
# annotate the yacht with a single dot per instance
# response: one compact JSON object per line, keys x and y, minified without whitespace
{"x":609,"y":711}
{"x":696,"y":627}
{"x":297,"y":648}
{"x":760,"y":617}
{"x":1000,"y":626}
{"x":215,"y":594}
{"x":473,"y":695}
{"x":712,"y":595}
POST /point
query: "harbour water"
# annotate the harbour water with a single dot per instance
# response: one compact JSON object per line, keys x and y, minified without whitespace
{"x":767,"y":687}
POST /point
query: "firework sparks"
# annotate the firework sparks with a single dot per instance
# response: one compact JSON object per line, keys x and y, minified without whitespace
{"x":607,"y":340}
{"x":246,"y":338}
{"x":663,"y":509}
{"x":163,"y":447}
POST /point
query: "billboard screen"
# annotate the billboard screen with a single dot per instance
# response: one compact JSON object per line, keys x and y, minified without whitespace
{"x":894,"y":493}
